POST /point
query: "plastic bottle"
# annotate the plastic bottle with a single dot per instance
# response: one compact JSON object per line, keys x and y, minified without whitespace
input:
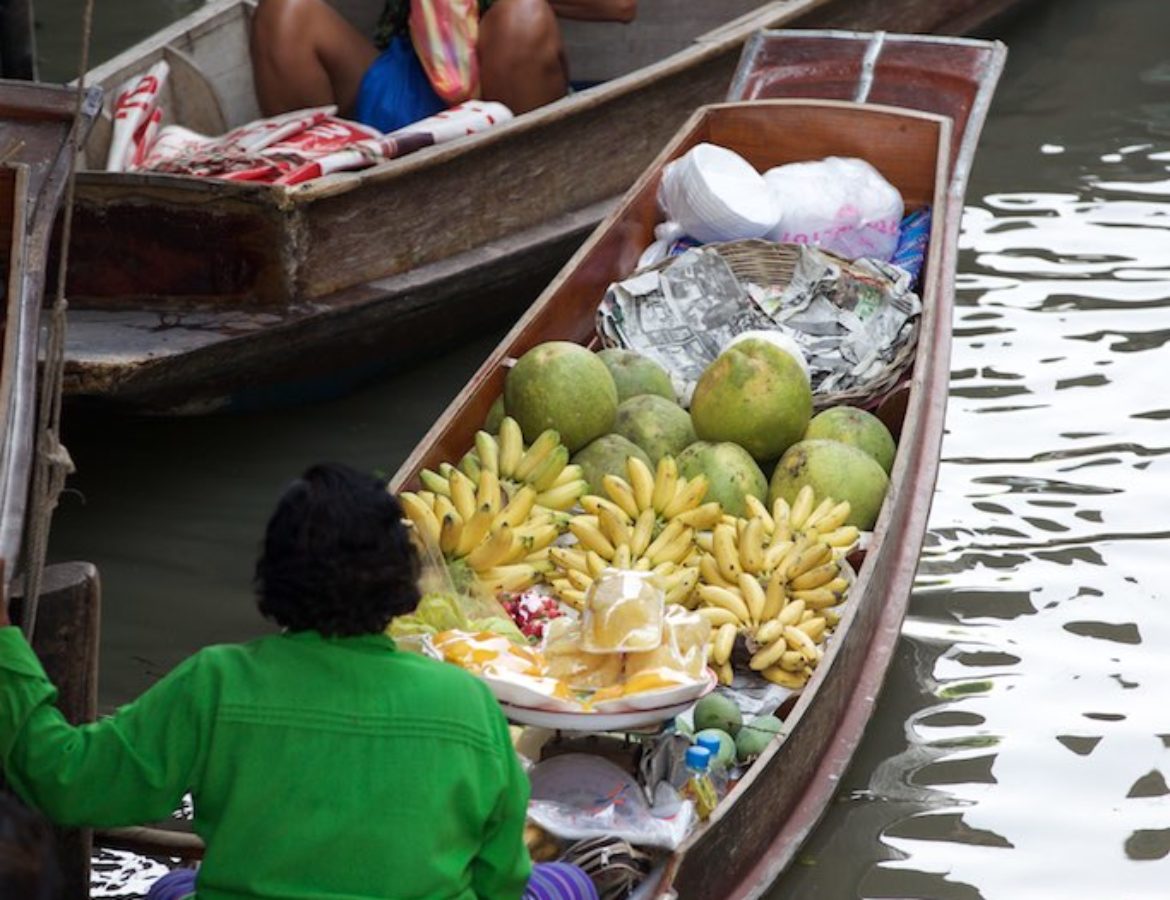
{"x":698,"y":788}
{"x":717,"y":772}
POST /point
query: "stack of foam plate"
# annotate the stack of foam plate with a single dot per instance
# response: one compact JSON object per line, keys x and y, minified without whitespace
{"x":716,"y":195}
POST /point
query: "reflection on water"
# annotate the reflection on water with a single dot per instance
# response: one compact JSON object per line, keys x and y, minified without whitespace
{"x":1021,"y":746}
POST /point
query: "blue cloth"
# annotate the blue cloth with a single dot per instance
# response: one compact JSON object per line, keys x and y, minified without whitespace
{"x":549,"y":881}
{"x":395,"y":90}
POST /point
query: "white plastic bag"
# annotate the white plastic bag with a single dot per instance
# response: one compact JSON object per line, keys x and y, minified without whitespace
{"x":840,"y":204}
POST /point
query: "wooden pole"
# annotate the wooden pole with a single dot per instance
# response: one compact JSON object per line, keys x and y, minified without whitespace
{"x":18,"y":44}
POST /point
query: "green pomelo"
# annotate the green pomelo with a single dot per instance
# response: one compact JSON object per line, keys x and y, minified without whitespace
{"x":754,"y":737}
{"x":659,"y":426}
{"x":725,"y":758}
{"x":717,"y":711}
{"x":635,"y":374}
{"x":755,"y":395}
{"x":607,"y":456}
{"x":731,"y":473}
{"x":833,"y":469}
{"x":854,"y":426}
{"x":495,"y":415}
{"x":561,"y":385}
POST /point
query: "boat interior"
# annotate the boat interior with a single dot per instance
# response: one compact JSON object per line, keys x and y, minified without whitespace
{"x":210,"y":88}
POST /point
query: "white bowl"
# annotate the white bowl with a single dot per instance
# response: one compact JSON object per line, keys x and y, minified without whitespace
{"x":716,"y":195}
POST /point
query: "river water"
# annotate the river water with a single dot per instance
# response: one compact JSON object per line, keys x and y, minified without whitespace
{"x":1020,"y":745}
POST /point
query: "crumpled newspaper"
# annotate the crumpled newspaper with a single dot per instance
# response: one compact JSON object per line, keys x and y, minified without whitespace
{"x":851,"y":319}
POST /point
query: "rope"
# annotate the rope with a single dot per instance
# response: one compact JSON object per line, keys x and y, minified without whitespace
{"x":53,"y":463}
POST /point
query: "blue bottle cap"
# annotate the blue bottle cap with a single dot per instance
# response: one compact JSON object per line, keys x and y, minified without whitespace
{"x":698,"y":758}
{"x":711,"y":743}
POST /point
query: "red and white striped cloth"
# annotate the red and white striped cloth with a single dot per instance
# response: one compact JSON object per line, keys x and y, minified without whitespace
{"x":288,"y":149}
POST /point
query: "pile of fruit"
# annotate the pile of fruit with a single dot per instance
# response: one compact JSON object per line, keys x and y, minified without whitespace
{"x":588,"y":462}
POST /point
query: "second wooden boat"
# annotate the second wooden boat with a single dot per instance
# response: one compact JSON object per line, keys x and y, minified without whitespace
{"x":191,"y":295}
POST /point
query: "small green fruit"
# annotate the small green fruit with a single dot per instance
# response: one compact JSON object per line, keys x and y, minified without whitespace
{"x":718,"y":711}
{"x":754,"y":737}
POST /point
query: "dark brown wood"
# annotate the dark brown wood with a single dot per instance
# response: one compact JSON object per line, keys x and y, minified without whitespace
{"x":152,"y":247}
{"x":66,"y":642}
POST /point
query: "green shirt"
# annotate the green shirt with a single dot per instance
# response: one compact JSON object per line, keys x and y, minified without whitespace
{"x":333,"y":768}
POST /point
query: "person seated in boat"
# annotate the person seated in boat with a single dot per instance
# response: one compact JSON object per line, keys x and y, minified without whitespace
{"x":321,"y":761}
{"x":305,"y":54}
{"x":28,"y":854}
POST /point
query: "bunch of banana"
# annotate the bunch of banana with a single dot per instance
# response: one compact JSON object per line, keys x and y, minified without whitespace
{"x":504,"y":542}
{"x":750,"y":580}
{"x":544,"y":466}
{"x":788,"y":647}
{"x":805,"y":517}
{"x":647,"y":524}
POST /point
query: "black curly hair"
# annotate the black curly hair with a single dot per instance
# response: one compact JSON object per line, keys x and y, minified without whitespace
{"x":337,"y":557}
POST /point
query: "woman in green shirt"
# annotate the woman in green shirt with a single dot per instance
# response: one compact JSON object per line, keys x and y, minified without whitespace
{"x":322,"y":762}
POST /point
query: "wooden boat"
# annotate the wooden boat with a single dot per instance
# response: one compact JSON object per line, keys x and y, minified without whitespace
{"x":756,"y":831}
{"x":191,"y":295}
{"x":37,"y":124}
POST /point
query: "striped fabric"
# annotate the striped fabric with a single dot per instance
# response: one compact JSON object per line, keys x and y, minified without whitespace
{"x":549,"y":881}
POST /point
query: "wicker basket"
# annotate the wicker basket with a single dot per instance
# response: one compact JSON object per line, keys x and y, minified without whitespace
{"x":769,"y":264}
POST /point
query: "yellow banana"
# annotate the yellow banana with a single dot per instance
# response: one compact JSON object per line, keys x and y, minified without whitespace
{"x":462,"y":494}
{"x":717,"y":616}
{"x":492,"y":551}
{"x":535,"y":536}
{"x":621,"y":557}
{"x":567,"y":558}
{"x":434,"y":482}
{"x":547,"y":441}
{"x":819,"y":512}
{"x":579,"y":580}
{"x":725,"y":674}
{"x":767,"y":656}
{"x":488,"y":452}
{"x":774,"y":597}
{"x":814,"y":628}
{"x":674,"y":550}
{"x":517,"y":510}
{"x":798,"y":640}
{"x":722,"y":643}
{"x":817,"y":598}
{"x":488,"y":492}
{"x":791,"y":613}
{"x":641,"y":482}
{"x":833,"y":519}
{"x":801,"y":507}
{"x":832,"y":617}
{"x":839,"y":586}
{"x":726,"y":598}
{"x":591,"y":538}
{"x":814,"y":554}
{"x":725,"y":552}
{"x":770,"y":632}
{"x":595,"y":562}
{"x":688,"y":494}
{"x":443,"y":507}
{"x":792,"y":660}
{"x":703,"y":516}
{"x":614,"y":526}
{"x":511,"y":447}
{"x":757,"y":510}
{"x":775,"y":553}
{"x":422,"y":515}
{"x":563,"y":496}
{"x":571,"y":472}
{"x":509,"y":578}
{"x":789,"y":680}
{"x":753,"y":596}
{"x":704,"y":540}
{"x":475,"y":529}
{"x":469,"y":466}
{"x":665,"y":481}
{"x":683,"y":590}
{"x":547,"y":473}
{"x":668,"y":534}
{"x":643,"y":530}
{"x":621,"y":493}
{"x":815,"y":577}
{"x":844,"y":536}
{"x":709,"y":571}
{"x":449,"y":531}
{"x":781,"y":513}
{"x":574,"y":598}
{"x":751,"y":546}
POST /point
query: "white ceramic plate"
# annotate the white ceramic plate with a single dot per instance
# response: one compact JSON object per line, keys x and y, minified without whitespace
{"x":626,"y":720}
